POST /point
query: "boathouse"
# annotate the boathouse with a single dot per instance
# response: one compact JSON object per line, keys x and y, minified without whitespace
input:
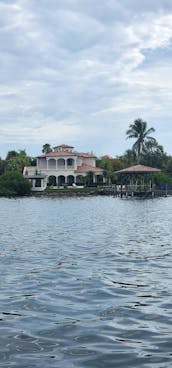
{"x":137,"y":180}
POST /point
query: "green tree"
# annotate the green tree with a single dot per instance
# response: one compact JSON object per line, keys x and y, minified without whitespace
{"x":89,"y":178}
{"x":162,"y":178}
{"x":168,"y":165}
{"x":2,"y":166}
{"x":46,"y":148}
{"x":11,"y":154}
{"x":129,"y":158}
{"x":154,"y":155}
{"x":33,"y":161}
{"x":17,"y":163}
{"x":13,"y":183}
{"x":107,"y":176}
{"x":16,"y":160}
{"x":139,"y":130}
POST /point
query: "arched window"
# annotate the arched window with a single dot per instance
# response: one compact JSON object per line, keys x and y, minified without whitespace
{"x":61,"y":163}
{"x":70,"y":163}
{"x":51,"y":163}
{"x":61,"y":180}
{"x":70,"y":179}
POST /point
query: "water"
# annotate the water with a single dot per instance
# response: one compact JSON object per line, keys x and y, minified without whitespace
{"x":85,"y":282}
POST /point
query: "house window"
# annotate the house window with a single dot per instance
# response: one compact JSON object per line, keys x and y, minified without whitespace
{"x":70,"y":162}
{"x":61,"y":163}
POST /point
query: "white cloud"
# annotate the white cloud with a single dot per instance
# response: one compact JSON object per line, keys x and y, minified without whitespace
{"x":40,"y":131}
{"x":151,"y":32}
{"x":69,"y":68}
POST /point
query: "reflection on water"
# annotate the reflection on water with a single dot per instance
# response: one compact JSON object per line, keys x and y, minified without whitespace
{"x":85,"y":283}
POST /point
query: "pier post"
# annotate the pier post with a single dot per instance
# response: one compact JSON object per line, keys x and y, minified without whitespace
{"x":166,"y":190}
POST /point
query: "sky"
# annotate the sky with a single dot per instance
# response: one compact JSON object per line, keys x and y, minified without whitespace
{"x":78,"y":72}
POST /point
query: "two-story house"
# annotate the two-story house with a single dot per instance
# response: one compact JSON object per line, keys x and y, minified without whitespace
{"x":62,"y":166}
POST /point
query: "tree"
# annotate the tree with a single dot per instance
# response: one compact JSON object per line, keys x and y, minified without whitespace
{"x":13,"y":183}
{"x":33,"y":161}
{"x":154,"y":155}
{"x":107,"y":176}
{"x":139,"y":130}
{"x":2,"y":166}
{"x":46,"y":148}
{"x":17,"y":162}
{"x":129,"y":158}
{"x":89,"y":178}
{"x":106,"y":163}
{"x":11,"y":154}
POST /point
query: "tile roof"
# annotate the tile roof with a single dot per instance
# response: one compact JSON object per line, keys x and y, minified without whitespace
{"x":63,"y":146}
{"x":138,"y":169}
{"x":66,"y":153}
{"x":87,"y":168}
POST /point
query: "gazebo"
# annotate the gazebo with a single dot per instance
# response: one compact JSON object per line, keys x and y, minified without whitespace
{"x":137,"y":180}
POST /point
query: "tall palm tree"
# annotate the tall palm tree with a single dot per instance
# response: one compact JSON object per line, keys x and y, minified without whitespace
{"x":139,"y":131}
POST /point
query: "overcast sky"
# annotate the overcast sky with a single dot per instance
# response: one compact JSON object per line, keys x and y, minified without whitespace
{"x":80,"y":71}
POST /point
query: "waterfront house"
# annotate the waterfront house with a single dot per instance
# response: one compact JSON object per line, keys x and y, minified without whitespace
{"x":63,"y":167}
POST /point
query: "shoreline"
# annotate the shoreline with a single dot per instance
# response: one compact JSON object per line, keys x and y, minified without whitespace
{"x":90,"y":192}
{"x":101,"y":192}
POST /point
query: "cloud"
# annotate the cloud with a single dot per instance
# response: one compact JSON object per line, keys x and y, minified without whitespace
{"x":40,"y":131}
{"x":80,"y":71}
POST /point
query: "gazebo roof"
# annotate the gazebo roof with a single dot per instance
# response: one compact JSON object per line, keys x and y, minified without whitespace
{"x":138,"y":169}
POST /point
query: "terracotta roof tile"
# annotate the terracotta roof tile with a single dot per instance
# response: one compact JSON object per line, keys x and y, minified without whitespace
{"x":63,"y":146}
{"x":87,"y":168}
{"x":65,"y":153}
{"x":138,"y":169}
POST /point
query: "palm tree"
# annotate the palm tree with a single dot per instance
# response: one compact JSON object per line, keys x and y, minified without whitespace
{"x":139,"y":131}
{"x":151,"y":146}
{"x":46,"y":148}
{"x":153,"y":154}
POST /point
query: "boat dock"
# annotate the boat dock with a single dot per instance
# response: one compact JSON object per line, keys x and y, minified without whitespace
{"x":133,"y":191}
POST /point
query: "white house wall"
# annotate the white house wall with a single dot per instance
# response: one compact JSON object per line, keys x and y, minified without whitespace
{"x":89,"y":161}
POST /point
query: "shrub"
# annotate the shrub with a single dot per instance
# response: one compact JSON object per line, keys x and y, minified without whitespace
{"x":13,"y":183}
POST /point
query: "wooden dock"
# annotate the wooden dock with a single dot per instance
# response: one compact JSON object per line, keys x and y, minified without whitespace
{"x":130,"y":192}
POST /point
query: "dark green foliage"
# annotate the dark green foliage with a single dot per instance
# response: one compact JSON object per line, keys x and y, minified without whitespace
{"x":154,"y":155}
{"x":52,"y":181}
{"x":32,"y":161}
{"x":139,"y":131}
{"x":89,"y":178}
{"x":11,"y":154}
{"x":13,"y":183}
{"x":129,"y":158}
{"x":15,"y":161}
{"x":2,"y":166}
{"x":46,"y":148}
{"x":162,"y":178}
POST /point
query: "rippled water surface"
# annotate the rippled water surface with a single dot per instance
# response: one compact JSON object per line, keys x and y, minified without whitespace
{"x":85,"y":283}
